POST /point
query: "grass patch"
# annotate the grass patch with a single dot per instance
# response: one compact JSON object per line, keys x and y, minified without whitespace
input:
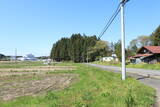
{"x":145,"y":66}
{"x":95,"y":88}
{"x":141,"y":66}
{"x":21,"y":64}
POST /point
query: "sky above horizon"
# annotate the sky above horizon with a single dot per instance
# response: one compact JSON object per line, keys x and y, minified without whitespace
{"x":32,"y":26}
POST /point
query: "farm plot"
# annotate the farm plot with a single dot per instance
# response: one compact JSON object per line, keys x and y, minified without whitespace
{"x":33,"y":70}
{"x":16,"y":87}
{"x":16,"y":82}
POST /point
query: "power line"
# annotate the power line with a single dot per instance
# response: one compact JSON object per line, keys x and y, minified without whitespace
{"x":112,"y":18}
{"x":110,"y":21}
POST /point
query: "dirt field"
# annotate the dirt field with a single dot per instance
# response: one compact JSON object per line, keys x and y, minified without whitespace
{"x":33,"y":70}
{"x":16,"y":82}
{"x":17,"y":86}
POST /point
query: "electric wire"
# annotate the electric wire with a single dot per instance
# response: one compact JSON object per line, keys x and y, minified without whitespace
{"x":110,"y":21}
{"x":123,"y":2}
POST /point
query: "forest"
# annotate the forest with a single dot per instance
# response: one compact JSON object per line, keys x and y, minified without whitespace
{"x":79,"y":48}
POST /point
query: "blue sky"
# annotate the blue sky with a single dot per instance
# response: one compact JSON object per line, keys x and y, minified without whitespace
{"x":32,"y":26}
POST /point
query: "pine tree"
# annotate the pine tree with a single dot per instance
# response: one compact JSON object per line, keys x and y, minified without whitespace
{"x":74,"y":48}
{"x":156,"y":37}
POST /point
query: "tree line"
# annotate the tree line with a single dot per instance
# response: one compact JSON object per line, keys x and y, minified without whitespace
{"x":79,"y":48}
{"x":2,"y":57}
{"x":82,"y":48}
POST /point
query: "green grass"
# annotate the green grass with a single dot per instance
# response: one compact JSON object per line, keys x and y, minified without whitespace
{"x":142,"y":65}
{"x":20,"y":64}
{"x":94,"y":88}
{"x":145,"y":66}
{"x":107,"y":63}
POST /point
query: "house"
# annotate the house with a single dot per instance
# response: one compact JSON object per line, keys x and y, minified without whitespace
{"x":113,"y":57}
{"x":147,"y":54}
{"x":107,"y":59}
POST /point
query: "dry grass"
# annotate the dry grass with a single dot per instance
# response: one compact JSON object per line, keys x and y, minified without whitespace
{"x":23,"y":86}
{"x":33,"y":70}
{"x":32,"y":80}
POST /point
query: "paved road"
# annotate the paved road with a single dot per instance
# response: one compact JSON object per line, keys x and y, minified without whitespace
{"x":148,"y":77}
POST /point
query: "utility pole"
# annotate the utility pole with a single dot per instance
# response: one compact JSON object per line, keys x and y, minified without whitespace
{"x":123,"y":39}
{"x":15,"y":54}
{"x":87,"y":57}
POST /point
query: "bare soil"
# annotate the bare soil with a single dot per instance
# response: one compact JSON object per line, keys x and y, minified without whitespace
{"x":33,"y":80}
{"x":12,"y":87}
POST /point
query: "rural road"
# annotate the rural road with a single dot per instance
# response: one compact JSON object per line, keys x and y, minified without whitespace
{"x":148,"y":77}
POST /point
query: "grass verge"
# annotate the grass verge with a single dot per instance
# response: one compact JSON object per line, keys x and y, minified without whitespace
{"x":141,"y":66}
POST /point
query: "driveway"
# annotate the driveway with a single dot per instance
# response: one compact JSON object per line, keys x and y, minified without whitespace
{"x":148,"y":77}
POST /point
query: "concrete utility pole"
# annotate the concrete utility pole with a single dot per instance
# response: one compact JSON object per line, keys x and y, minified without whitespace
{"x":87,"y":57}
{"x":123,"y":39}
{"x":15,"y":54}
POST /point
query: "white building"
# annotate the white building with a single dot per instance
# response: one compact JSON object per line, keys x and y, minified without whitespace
{"x":113,"y":57}
{"x":28,"y":57}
